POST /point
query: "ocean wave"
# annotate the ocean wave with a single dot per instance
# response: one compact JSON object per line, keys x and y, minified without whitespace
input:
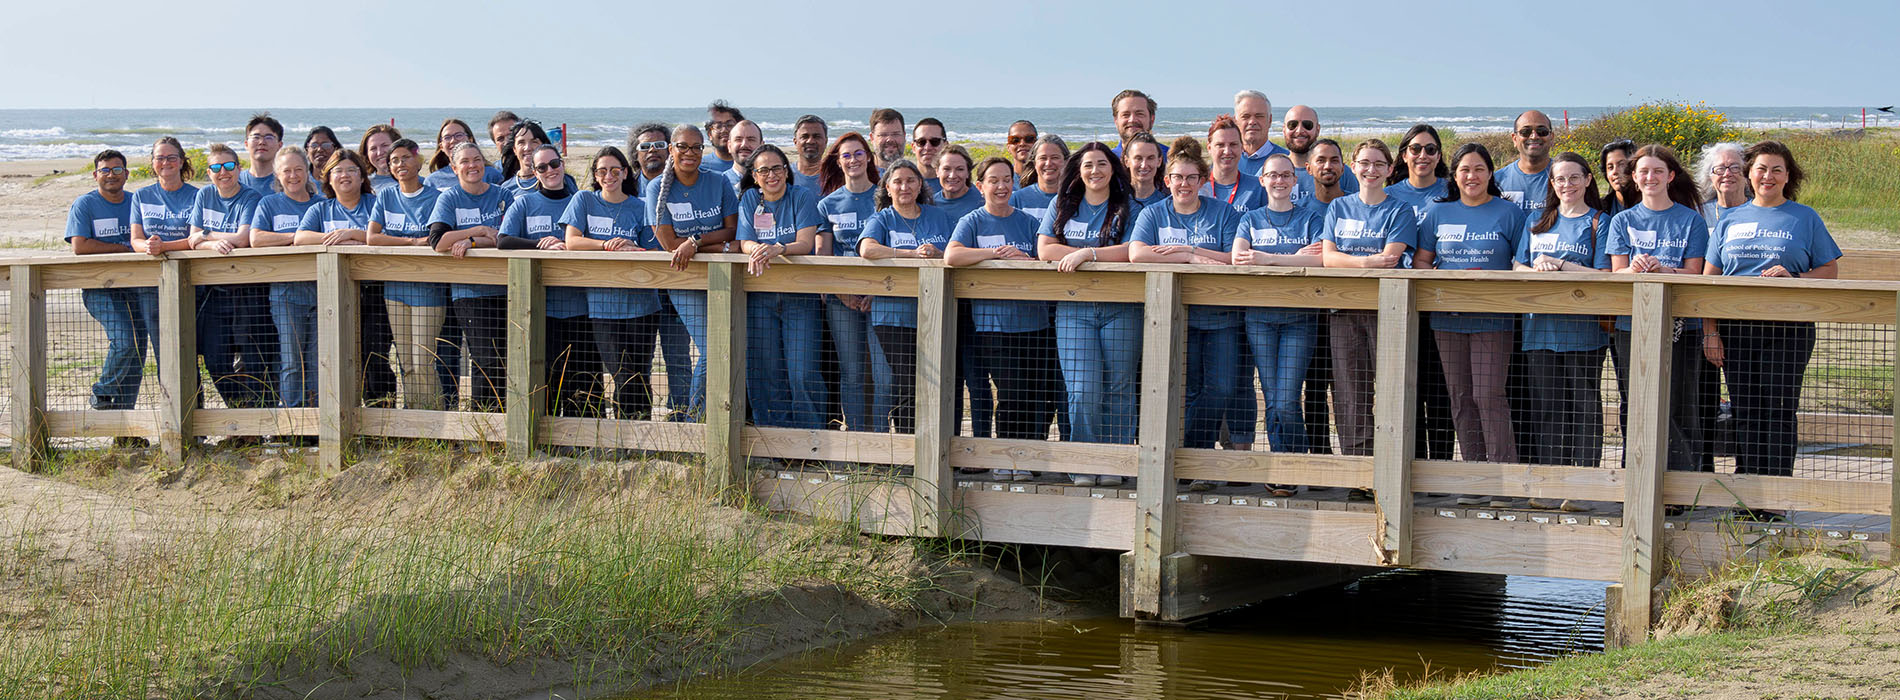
{"x":45,"y":151}
{"x":32,"y":133}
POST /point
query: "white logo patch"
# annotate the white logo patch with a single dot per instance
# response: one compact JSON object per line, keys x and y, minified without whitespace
{"x":600,"y":225}
{"x":1644,"y":240}
{"x":991,"y":241}
{"x":1172,"y":236}
{"x":1544,"y":242}
{"x":285,"y":223}
{"x":212,"y":218}
{"x":397,"y":220}
{"x":680,"y":211}
{"x":1266,"y":236}
{"x":1744,"y":230}
{"x":847,"y":221}
{"x":539,"y":224}
{"x":468,"y":217}
{"x":105,"y":227}
{"x":1451,"y":233}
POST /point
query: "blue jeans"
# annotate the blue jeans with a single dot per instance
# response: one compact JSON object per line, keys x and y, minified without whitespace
{"x":296,"y":323}
{"x":690,"y":304}
{"x":1213,"y":358}
{"x":783,"y":385}
{"x":677,"y":351}
{"x":1099,"y":345}
{"x":1282,"y":349}
{"x":851,"y":340}
{"x":128,"y":317}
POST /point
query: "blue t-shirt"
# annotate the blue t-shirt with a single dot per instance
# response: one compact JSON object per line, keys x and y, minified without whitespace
{"x":1084,"y":229}
{"x":460,"y":209}
{"x":278,"y":213}
{"x":536,"y":216}
{"x":602,"y":220}
{"x":1358,"y":229}
{"x":407,"y":216}
{"x":94,"y":217}
{"x":1750,"y":239}
{"x":1303,"y":187}
{"x":714,"y":163}
{"x":326,"y":215}
{"x":1570,"y":239}
{"x":1420,"y":199}
{"x":1674,"y":236}
{"x":518,"y":186}
{"x":734,"y":181}
{"x":445,"y":179}
{"x":379,"y":182}
{"x":692,"y":211}
{"x":1032,"y":201}
{"x":1139,"y":203}
{"x":809,"y":182}
{"x":981,"y":229}
{"x":1245,"y":194}
{"x":1211,"y":227}
{"x":935,"y":185}
{"x":263,"y":185}
{"x":933,"y":226}
{"x":217,"y":214}
{"x":1280,"y":233}
{"x":1463,"y":237}
{"x":1251,"y":163}
{"x":777,"y":222}
{"x":844,"y":215}
{"x":1525,"y":190}
{"x":165,"y":215}
{"x":971,"y":200}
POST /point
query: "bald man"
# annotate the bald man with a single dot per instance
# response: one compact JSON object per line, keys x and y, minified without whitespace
{"x":742,"y":141}
{"x":1526,"y":181}
{"x":1302,"y":131}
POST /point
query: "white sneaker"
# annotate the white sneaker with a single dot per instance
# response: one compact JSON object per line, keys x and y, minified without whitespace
{"x":1200,"y":485}
{"x":1000,"y":474}
{"x":1082,"y":479}
{"x":1108,"y":481}
{"x":1022,"y":475}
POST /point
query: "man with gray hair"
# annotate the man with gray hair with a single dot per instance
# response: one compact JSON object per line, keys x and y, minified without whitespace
{"x":647,"y":146}
{"x":1254,"y":113}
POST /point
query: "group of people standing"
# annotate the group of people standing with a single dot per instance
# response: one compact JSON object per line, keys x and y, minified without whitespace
{"x":1505,"y":387}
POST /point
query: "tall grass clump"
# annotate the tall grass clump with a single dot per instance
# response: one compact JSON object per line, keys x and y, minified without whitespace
{"x":1681,"y":126}
{"x":1853,"y":179}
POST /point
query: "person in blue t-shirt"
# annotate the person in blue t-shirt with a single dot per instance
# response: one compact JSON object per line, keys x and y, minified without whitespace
{"x":1477,"y":231}
{"x":416,"y":309}
{"x":468,"y":216}
{"x":235,"y":334}
{"x":375,"y":145}
{"x":1282,"y":340}
{"x":263,"y":136}
{"x":1663,"y":233}
{"x":100,"y":222}
{"x":1366,"y":230}
{"x":1419,"y":178}
{"x":609,"y":218}
{"x":847,"y":184}
{"x":928,"y":137}
{"x":275,"y":222}
{"x":742,"y":142}
{"x":958,"y":197}
{"x":1302,"y":143}
{"x":906,"y":225}
{"x":1141,"y":155}
{"x":517,"y":159}
{"x":340,"y":217}
{"x":161,"y":216}
{"x":1320,"y":180}
{"x":1097,"y":343}
{"x":784,"y":330}
{"x":720,"y":118}
{"x":452,"y":134}
{"x":1253,"y":112}
{"x":1419,"y":175}
{"x":1618,"y":176}
{"x":1525,"y":180}
{"x":1226,"y":182}
{"x":1013,"y":338}
{"x":1564,"y":352}
{"x":1720,"y":178}
{"x":954,"y":193}
{"x":1766,"y":361}
{"x":1034,"y":196}
{"x":1192,"y":229}
{"x":692,"y":211}
{"x":533,"y":222}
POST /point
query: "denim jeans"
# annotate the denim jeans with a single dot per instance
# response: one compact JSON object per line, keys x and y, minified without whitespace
{"x":1213,"y":358}
{"x":1282,"y":349}
{"x":1099,"y":345}
{"x":783,"y":385}
{"x":124,"y":316}
{"x":238,"y":343}
{"x":296,"y":321}
{"x":850,"y":339}
{"x":690,"y":304}
{"x":677,"y":351}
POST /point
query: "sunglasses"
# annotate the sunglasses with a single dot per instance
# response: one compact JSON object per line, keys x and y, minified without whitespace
{"x":548,"y":166}
{"x":1429,"y":149}
{"x":1530,"y":131}
{"x":652,"y":146}
{"x":691,"y":147}
{"x":929,"y":141}
{"x":1306,"y":124}
{"x":1021,"y":140}
{"x":221,"y":167}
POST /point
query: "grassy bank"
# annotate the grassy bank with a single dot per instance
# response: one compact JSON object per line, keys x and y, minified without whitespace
{"x":563,"y":573}
{"x":1804,"y":627}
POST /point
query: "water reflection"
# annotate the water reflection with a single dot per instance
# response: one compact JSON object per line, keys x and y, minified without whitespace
{"x":1307,"y":646}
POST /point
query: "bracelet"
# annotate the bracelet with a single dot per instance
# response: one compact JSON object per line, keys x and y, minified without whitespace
{"x":1094,"y":256}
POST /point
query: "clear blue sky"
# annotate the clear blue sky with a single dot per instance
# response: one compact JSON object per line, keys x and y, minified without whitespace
{"x":974,"y":53}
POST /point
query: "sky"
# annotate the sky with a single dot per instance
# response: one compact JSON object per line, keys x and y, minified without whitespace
{"x":969,"y":53}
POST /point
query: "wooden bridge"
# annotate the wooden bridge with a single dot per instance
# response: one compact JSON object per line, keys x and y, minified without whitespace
{"x":1187,"y":553}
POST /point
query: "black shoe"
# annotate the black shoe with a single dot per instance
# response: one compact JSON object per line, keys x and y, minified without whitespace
{"x":1761,"y":516}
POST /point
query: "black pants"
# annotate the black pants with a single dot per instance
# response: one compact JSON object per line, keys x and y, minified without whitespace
{"x":379,"y":378}
{"x":1564,"y":407}
{"x":573,"y":368}
{"x":448,"y":359}
{"x":1685,"y":397}
{"x":1028,"y":381}
{"x":1434,"y":433}
{"x":238,"y":341}
{"x":1319,"y":379}
{"x":484,"y":325}
{"x":974,"y":377}
{"x":1517,"y":393}
{"x":900,"y":352}
{"x":1765,"y":362}
{"x":625,"y":346}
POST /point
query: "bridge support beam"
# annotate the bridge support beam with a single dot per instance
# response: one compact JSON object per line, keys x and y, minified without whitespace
{"x":1193,"y":586}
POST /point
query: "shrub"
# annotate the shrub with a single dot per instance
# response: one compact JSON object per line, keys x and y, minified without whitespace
{"x":1683,"y":127}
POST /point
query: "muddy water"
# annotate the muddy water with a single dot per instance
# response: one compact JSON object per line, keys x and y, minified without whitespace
{"x":1313,"y":645}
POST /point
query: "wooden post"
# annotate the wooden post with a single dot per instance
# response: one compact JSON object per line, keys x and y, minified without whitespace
{"x":27,"y":383}
{"x":936,"y":392}
{"x":175,"y":341}
{"x":1393,"y":411}
{"x":1646,"y":459}
{"x":338,"y":323}
{"x":1159,"y":435}
{"x":725,"y":375}
{"x":527,"y":364}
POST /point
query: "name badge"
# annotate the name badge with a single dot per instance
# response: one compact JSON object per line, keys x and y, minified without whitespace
{"x":991,"y":241}
{"x":763,"y":221}
{"x":1645,"y":240}
{"x":1544,"y":242}
{"x":1172,"y":236}
{"x":285,"y":223}
{"x":680,"y":211}
{"x":1451,"y":233}
{"x":468,"y":217}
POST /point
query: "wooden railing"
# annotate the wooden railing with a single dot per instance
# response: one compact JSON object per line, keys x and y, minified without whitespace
{"x":1157,"y":525}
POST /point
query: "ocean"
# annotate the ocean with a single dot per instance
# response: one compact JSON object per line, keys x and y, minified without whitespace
{"x":33,"y":134}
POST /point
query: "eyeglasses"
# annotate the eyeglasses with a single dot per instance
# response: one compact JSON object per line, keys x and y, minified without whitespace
{"x":769,"y":170}
{"x":113,"y":170}
{"x":167,"y":159}
{"x":456,"y":137}
{"x":853,"y":155}
{"x":549,"y":166}
{"x":1372,"y":164}
{"x":609,"y":170}
{"x":1021,"y":140}
{"x":1184,"y":177}
{"x":1530,"y":131}
{"x":351,"y":171}
{"x":261,"y":138}
{"x":928,"y":141}
{"x":1428,"y":149}
{"x":652,"y":146}
{"x":1287,"y":175}
{"x":222,"y":167}
{"x":1306,"y":124}
{"x":1725,"y":169}
{"x":689,"y":147}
